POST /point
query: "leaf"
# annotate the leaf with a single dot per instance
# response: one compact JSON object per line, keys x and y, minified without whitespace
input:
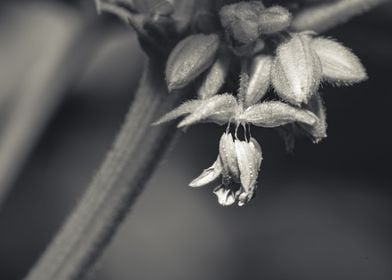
{"x":318,"y":130}
{"x":215,"y":77}
{"x":276,"y":113}
{"x":190,"y":58}
{"x":183,"y":109}
{"x":296,"y":72}
{"x":260,"y":79}
{"x":228,"y":156}
{"x":217,"y":108}
{"x":339,"y":65}
{"x":209,"y":175}
{"x":274,"y":19}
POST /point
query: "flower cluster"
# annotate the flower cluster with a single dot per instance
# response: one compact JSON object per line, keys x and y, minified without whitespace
{"x":237,"y":165}
{"x":270,"y":57}
{"x":279,"y":74}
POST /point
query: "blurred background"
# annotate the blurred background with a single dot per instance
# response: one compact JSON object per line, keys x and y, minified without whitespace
{"x":322,"y":212}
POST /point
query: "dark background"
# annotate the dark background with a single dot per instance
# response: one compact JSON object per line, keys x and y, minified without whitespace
{"x":323,"y":212}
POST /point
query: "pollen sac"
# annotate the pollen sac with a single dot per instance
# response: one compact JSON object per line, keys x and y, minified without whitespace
{"x":273,"y":19}
{"x":296,"y":72}
{"x":276,"y":113}
{"x":215,"y":77}
{"x":218,"y":109}
{"x":339,"y":65}
{"x":259,"y":79}
{"x":225,"y":196}
{"x":240,"y":20}
{"x":190,"y":58}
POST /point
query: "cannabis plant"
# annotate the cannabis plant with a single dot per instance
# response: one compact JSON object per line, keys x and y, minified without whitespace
{"x":242,"y":65}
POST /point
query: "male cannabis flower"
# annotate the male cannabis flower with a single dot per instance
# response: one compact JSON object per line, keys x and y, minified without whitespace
{"x":270,"y":56}
{"x":237,"y":164}
{"x":249,"y":69}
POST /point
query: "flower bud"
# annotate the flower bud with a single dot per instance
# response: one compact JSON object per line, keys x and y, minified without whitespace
{"x":296,"y":72}
{"x":339,"y":64}
{"x":259,"y":79}
{"x":190,"y":58}
{"x":273,"y":19}
{"x":215,"y":77}
{"x":240,"y":20}
{"x":276,"y":113}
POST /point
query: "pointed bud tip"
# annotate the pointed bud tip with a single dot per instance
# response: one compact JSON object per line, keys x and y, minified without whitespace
{"x":340,"y":66}
{"x":189,"y":58}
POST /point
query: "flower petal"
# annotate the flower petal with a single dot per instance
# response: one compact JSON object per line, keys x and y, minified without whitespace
{"x":209,"y":175}
{"x":228,"y":155}
{"x":276,"y":113}
{"x":218,"y":108}
{"x":185,"y":108}
{"x":260,"y":79}
{"x":296,"y":72}
{"x":190,"y":58}
{"x":339,"y":65}
{"x":249,"y":159}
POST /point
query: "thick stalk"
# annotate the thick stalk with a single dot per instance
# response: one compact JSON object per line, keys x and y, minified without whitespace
{"x":134,"y":155}
{"x":322,"y":17}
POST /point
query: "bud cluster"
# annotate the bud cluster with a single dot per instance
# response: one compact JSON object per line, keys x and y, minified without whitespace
{"x":279,"y":73}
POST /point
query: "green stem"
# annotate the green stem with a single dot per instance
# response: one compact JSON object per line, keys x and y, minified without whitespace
{"x":322,"y":17}
{"x":114,"y":189}
{"x":244,"y":81}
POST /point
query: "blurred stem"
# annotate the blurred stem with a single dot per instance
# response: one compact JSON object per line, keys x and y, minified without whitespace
{"x":114,"y":189}
{"x":42,"y":92}
{"x":325,"y":16}
{"x":38,"y":97}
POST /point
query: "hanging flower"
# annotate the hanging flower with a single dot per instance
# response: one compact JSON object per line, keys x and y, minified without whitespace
{"x":237,"y":167}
